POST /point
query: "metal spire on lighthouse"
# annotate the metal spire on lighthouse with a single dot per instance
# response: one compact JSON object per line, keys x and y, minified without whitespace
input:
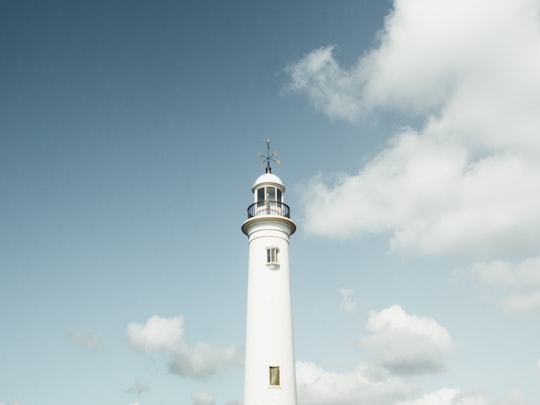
{"x":269,"y":157}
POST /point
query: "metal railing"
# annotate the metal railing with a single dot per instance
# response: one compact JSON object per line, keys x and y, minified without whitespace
{"x":269,"y":208}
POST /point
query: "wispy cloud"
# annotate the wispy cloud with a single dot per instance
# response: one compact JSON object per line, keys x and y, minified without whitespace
{"x":348,"y":302}
{"x":166,"y":335}
{"x":329,"y":87}
{"x":86,"y":340}
{"x":204,"y":399}
{"x":518,"y":283}
{"x":138,"y":388}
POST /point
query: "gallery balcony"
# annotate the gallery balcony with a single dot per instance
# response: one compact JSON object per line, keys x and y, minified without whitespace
{"x":269,"y":208}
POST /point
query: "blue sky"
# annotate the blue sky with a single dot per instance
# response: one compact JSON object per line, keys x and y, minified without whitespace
{"x":408,"y":134}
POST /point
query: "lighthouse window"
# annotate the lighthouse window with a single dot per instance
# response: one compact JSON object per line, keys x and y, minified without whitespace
{"x":272,"y":255}
{"x":274,"y":375}
{"x":260,"y":194}
{"x":270,"y":194}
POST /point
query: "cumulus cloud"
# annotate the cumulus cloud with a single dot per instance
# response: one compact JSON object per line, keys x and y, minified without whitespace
{"x":405,"y":344}
{"x":204,"y":399}
{"x":317,"y":386}
{"x":464,"y":181}
{"x":519,"y":283}
{"x":166,"y":335}
{"x":401,"y":344}
{"x":86,"y":340}
{"x":347,"y":300}
{"x":157,"y":334}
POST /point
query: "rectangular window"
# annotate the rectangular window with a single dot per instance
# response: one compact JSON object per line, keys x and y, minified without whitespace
{"x":279,"y":195}
{"x":270,"y":194}
{"x":260,"y":194}
{"x":274,"y":375}
{"x":272,"y":255}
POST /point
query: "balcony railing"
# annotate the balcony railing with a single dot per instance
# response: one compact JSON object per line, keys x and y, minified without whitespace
{"x":269,"y":208}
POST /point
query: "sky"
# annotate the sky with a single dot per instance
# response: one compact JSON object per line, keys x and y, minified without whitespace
{"x":408,"y":133}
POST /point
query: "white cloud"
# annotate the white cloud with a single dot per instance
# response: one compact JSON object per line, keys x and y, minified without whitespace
{"x":522,"y":302}
{"x":448,"y":396}
{"x":347,"y":300}
{"x":204,"y":399}
{"x":405,"y":344}
{"x":10,"y":403}
{"x":86,"y":340}
{"x":317,"y":386}
{"x":519,"y":283}
{"x":411,"y":69}
{"x":157,"y":334}
{"x":166,"y":335}
{"x":503,"y":274}
{"x":329,"y":88}
{"x":465,"y":181}
{"x":513,"y":398}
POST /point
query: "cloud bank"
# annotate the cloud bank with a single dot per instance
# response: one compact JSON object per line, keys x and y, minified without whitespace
{"x":166,"y":335}
{"x":400,"y":345}
{"x":317,"y":386}
{"x":466,"y":181}
{"x":404,"y":345}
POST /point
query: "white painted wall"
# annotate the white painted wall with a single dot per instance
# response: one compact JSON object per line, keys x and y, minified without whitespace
{"x":269,"y":333}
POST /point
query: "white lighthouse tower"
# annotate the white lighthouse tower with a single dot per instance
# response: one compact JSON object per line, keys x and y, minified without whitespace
{"x":269,"y":364}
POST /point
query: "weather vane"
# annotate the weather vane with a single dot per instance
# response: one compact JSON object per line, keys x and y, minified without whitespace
{"x":269,"y":157}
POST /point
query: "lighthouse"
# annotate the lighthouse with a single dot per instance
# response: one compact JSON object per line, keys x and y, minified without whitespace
{"x":269,"y":362}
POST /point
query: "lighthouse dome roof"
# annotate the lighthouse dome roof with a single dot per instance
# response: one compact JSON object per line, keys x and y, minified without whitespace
{"x":270,"y":179}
